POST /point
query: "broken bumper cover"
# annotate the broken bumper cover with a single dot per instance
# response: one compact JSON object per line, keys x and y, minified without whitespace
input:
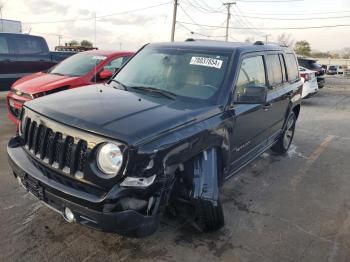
{"x":59,"y":196}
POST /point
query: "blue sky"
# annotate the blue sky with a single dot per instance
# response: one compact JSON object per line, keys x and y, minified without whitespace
{"x":154,"y":23}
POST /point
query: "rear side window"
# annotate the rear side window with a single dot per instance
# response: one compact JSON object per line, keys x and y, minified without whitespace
{"x":274,"y":70}
{"x":252,"y":73}
{"x":292,"y":67}
{"x":29,"y":45}
{"x":4,"y":48}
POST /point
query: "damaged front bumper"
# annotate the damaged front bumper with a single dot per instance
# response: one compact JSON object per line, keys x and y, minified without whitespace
{"x":90,"y":209}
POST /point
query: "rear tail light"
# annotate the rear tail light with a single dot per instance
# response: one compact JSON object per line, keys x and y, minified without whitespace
{"x":306,"y":76}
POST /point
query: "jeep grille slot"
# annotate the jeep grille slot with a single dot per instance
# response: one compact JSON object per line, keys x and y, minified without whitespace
{"x":58,"y":150}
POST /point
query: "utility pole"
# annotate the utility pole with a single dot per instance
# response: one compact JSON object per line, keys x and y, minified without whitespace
{"x":266,"y":38}
{"x":95,"y":29}
{"x":174,"y":20}
{"x":228,"y":4}
{"x":59,"y":40}
{"x":2,"y":22}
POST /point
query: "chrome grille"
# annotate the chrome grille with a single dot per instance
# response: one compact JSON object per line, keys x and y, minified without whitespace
{"x":54,"y":148}
{"x":61,"y":147}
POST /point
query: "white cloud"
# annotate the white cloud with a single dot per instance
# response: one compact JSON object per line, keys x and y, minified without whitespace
{"x":154,"y":24}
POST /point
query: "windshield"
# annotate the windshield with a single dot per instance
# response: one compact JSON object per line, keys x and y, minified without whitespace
{"x":77,"y":65}
{"x":184,"y":73}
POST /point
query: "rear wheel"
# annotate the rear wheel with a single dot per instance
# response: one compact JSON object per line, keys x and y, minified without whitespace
{"x":283,"y":143}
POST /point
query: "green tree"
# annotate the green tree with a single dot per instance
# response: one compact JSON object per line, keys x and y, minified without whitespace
{"x":86,"y":43}
{"x":302,"y":48}
{"x":73,"y":43}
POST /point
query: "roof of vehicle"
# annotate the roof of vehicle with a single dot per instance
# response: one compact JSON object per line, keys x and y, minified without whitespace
{"x":19,"y":34}
{"x":299,"y":57}
{"x":223,"y":46}
{"x":106,"y":52}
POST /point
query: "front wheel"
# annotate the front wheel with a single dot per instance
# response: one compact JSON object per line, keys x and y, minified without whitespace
{"x":208,"y":216}
{"x":283,"y":143}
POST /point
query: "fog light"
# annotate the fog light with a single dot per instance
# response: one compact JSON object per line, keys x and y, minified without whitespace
{"x":68,"y":215}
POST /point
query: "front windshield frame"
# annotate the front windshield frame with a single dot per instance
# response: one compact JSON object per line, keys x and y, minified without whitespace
{"x":61,"y":68}
{"x":225,"y":53}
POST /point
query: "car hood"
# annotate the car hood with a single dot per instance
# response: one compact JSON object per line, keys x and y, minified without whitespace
{"x":40,"y":82}
{"x":129,"y":117}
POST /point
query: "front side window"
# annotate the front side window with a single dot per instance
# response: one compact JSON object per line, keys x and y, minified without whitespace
{"x":4,"y":49}
{"x":251,"y":79}
{"x":77,"y":65}
{"x":184,"y":73}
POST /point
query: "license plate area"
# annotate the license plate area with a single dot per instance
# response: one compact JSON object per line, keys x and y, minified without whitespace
{"x":32,"y":186}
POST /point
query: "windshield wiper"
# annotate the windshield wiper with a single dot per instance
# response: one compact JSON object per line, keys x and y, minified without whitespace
{"x":120,"y":83}
{"x":59,"y":74}
{"x":164,"y":93}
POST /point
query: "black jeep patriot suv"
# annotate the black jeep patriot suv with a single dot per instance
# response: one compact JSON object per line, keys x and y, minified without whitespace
{"x":164,"y":134}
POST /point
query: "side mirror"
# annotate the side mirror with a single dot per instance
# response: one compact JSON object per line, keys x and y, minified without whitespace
{"x":105,"y":75}
{"x":253,"y":94}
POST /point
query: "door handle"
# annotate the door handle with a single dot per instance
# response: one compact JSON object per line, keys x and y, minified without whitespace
{"x":266,"y":106}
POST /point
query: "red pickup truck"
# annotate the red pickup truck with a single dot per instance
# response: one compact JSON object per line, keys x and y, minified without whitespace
{"x":82,"y":69}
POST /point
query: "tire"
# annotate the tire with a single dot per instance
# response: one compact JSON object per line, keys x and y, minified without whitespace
{"x":209,"y":217}
{"x":283,"y":143}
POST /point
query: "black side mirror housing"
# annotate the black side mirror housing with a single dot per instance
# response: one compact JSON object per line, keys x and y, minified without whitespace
{"x":253,"y":94}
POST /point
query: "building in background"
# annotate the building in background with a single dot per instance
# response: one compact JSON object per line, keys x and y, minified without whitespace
{"x":10,"y":26}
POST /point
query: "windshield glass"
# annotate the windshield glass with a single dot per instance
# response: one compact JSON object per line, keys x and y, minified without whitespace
{"x":77,"y":65}
{"x":184,"y":73}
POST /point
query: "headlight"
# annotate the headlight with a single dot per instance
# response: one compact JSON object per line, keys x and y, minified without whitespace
{"x":109,"y":159}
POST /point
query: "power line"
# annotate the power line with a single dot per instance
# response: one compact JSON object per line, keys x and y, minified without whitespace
{"x":204,"y":10}
{"x":97,"y":17}
{"x":269,"y":1}
{"x":183,"y":10}
{"x":299,"y":14}
{"x":272,"y":28}
{"x":190,"y":17}
{"x":294,"y":19}
{"x":196,"y":33}
{"x":246,"y":22}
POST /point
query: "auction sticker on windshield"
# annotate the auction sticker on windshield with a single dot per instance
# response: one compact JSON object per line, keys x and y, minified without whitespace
{"x":205,"y":61}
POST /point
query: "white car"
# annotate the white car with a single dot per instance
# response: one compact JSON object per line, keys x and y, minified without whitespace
{"x":309,"y":79}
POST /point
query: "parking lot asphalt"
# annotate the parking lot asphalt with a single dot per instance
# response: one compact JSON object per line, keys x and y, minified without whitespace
{"x":280,"y":208}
